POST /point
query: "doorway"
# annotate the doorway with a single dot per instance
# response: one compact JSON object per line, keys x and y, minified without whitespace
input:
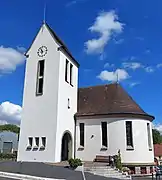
{"x":66,"y":149}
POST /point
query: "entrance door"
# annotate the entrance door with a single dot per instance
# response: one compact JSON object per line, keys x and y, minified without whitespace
{"x":66,"y":150}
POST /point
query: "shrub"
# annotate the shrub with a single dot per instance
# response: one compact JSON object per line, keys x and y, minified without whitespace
{"x":74,"y":163}
{"x":7,"y":156}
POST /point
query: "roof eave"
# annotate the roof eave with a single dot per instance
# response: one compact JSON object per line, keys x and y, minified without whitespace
{"x":138,"y":115}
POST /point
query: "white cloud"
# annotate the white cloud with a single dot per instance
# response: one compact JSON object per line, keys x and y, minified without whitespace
{"x":132,"y":65}
{"x":112,"y":76}
{"x":134,"y":84}
{"x":10,"y":113}
{"x":9,"y":59}
{"x":159,"y":65}
{"x":21,"y":49}
{"x":105,"y":25}
{"x":149,"y":69}
{"x":108,"y":65}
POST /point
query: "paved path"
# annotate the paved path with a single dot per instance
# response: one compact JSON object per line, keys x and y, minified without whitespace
{"x":45,"y":170}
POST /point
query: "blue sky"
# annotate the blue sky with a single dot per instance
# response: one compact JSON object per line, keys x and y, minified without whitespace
{"x":109,"y":38}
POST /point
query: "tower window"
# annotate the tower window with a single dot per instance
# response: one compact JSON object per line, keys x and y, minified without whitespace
{"x":71,"y":74}
{"x":66,"y":71}
{"x":30,"y":141}
{"x":40,"y":78}
{"x":129,"y":136}
{"x":68,"y":103}
{"x":44,"y":141}
{"x":149,"y":136}
{"x":104,"y":133}
{"x":37,"y":141}
{"x":81,"y":125}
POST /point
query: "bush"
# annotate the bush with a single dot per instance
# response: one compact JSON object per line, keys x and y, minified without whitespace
{"x":74,"y":163}
{"x":7,"y":156}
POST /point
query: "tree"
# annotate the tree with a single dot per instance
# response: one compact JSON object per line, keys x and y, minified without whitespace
{"x":10,"y":127}
{"x":157,"y":137}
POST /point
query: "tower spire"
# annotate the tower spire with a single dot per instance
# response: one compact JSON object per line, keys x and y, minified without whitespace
{"x":44,"y":14}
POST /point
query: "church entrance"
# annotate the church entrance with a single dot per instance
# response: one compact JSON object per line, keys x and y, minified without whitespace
{"x":66,"y":149}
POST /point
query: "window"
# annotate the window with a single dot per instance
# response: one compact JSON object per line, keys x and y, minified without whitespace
{"x":81,"y":134}
{"x":68,"y":103}
{"x":7,"y":147}
{"x":44,"y":141}
{"x":66,"y":71}
{"x":149,"y":136}
{"x":129,"y":137}
{"x":37,"y":141}
{"x":104,"y":133}
{"x":40,"y":77}
{"x":71,"y":74}
{"x":30,"y":141}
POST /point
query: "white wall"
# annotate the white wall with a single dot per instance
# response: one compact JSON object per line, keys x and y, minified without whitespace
{"x":116,"y":140}
{"x":65,"y":115}
{"x":40,"y":112}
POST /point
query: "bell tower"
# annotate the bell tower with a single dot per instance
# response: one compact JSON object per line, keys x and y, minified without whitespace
{"x":49,"y":100}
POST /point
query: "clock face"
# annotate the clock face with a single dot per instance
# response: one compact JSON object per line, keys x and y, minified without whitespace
{"x":42,"y":51}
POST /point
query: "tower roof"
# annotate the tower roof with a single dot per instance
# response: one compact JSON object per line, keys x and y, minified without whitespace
{"x":63,"y":46}
{"x":110,"y":100}
{"x":59,"y":41}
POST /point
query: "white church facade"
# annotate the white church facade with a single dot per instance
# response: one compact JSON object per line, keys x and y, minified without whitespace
{"x":60,"y":121}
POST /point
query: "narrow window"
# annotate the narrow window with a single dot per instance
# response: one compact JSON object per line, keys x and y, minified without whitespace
{"x":104,"y":133}
{"x":149,"y":136}
{"x":40,"y":77}
{"x":66,"y":71}
{"x":44,"y":141}
{"x":129,"y":137}
{"x":30,"y":142}
{"x":81,"y":134}
{"x":71,"y":74}
{"x":37,"y":141}
{"x":68,"y":103}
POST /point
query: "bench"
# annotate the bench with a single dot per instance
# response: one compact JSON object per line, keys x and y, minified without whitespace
{"x":100,"y":158}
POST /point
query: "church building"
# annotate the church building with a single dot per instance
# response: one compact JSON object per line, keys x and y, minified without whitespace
{"x":60,"y":121}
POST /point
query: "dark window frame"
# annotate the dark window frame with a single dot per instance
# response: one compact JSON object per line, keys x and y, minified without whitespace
{"x":149,"y":136}
{"x":68,"y":103}
{"x":40,"y":78}
{"x":66,"y":70}
{"x":82,"y":129}
{"x":104,"y":134}
{"x":37,"y":141}
{"x":129,"y":135}
{"x":71,"y":74}
{"x":44,"y":141}
{"x":30,"y":140}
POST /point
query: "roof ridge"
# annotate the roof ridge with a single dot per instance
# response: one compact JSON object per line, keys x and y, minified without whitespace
{"x":99,"y":85}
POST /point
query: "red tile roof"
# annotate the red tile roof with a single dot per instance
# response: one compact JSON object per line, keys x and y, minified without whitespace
{"x":157,"y":150}
{"x":107,"y":100}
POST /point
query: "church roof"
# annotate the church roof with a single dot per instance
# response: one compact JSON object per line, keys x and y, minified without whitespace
{"x":111,"y":100}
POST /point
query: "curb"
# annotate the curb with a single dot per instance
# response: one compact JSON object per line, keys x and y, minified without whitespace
{"x":23,"y":176}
